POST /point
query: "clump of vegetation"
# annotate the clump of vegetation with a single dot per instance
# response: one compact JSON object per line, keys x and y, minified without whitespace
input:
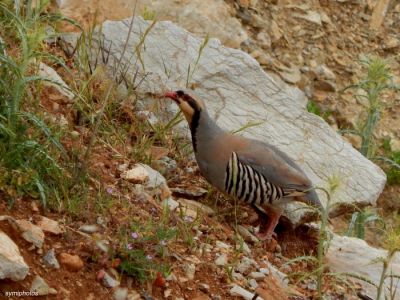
{"x":31,"y":155}
{"x":392,"y":160}
{"x":359,"y":221}
{"x":370,"y":88}
{"x":313,"y":108}
{"x":144,"y":249}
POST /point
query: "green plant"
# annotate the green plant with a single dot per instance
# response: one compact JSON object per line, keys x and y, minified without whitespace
{"x":313,"y":108}
{"x":392,"y":162}
{"x":359,"y":221}
{"x":30,"y":152}
{"x":143,"y":251}
{"x":371,"y":87}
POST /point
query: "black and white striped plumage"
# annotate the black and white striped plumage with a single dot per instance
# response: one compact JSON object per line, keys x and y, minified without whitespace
{"x":250,"y":186}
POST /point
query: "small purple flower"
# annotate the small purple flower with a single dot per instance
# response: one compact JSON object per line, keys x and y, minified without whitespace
{"x":109,"y":190}
{"x":129,"y":246}
{"x":163,"y":243}
{"x":149,"y":257}
{"x":134,"y":235}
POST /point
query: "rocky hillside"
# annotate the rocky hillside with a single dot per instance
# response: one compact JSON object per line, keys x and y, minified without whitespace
{"x":101,"y":196}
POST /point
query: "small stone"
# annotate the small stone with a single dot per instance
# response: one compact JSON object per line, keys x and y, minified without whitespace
{"x":34,"y":206}
{"x":89,"y":228}
{"x":138,"y":174}
{"x":167,"y":293}
{"x":120,"y":293}
{"x":74,"y":134}
{"x":391,"y":43}
{"x":193,"y":192}
{"x":222,"y":245}
{"x":103,"y":245}
{"x":133,"y":295}
{"x":171,"y":203}
{"x":241,"y":292}
{"x":50,"y":259}
{"x":49,"y":225}
{"x":221,"y":260}
{"x":323,"y":72}
{"x":253,"y":284}
{"x":243,"y":247}
{"x":257,"y":275}
{"x":205,"y":288}
{"x":71,"y":262}
{"x":292,"y":75}
{"x":246,"y":235}
{"x":30,"y":232}
{"x":40,"y":286}
{"x":190,"y":270}
{"x":123,"y":167}
{"x":166,"y":165}
{"x":12,"y":264}
{"x":109,"y":281}
{"x":237,"y":276}
{"x":245,"y":264}
{"x":196,"y":206}
{"x":274,"y":32}
{"x":311,"y":16}
{"x":264,"y":40}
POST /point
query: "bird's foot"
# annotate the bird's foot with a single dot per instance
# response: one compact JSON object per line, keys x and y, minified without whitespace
{"x":266,"y":236}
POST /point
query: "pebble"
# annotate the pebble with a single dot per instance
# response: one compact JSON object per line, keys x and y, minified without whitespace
{"x":49,"y":225}
{"x":71,"y":262}
{"x":103,"y":245}
{"x":239,"y":291}
{"x":257,"y":275}
{"x":89,"y":228}
{"x":50,"y":259}
{"x":245,"y":264}
{"x":30,"y":232}
{"x":190,"y":270}
{"x":222,"y":245}
{"x":246,"y":235}
{"x":221,"y":260}
{"x":204,"y":287}
{"x":109,"y":281}
{"x":133,"y":295}
{"x":264,"y":271}
{"x":120,"y":293}
{"x":253,"y":284}
{"x":40,"y":286}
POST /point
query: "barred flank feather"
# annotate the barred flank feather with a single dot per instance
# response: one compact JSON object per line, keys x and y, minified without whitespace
{"x":250,"y":186}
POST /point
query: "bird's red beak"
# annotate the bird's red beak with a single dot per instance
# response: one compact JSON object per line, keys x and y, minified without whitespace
{"x":171,"y":95}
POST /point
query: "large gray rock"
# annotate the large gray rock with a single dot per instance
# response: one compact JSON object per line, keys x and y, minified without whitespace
{"x":236,"y":91}
{"x":12,"y":264}
{"x":355,"y":256}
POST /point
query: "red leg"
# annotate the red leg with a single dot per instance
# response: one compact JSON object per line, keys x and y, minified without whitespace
{"x":267,"y":230}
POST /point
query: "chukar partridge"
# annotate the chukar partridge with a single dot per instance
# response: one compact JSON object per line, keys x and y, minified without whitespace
{"x":250,"y":170}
